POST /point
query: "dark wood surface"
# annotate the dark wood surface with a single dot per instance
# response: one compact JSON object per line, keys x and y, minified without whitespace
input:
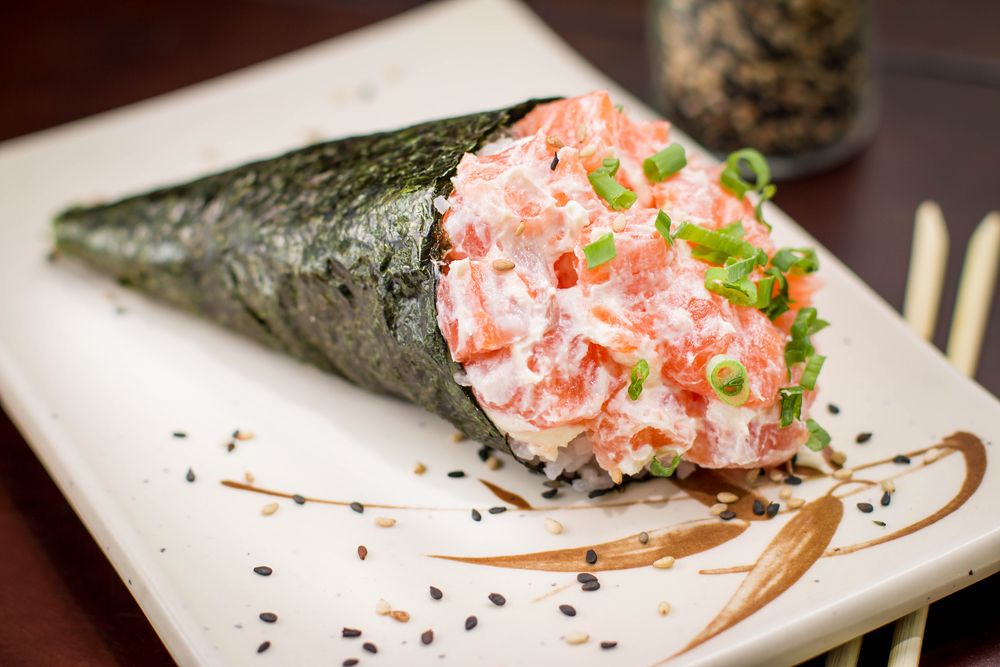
{"x":61,"y":603}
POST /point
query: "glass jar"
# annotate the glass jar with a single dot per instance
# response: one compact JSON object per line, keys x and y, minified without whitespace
{"x":792,"y":78}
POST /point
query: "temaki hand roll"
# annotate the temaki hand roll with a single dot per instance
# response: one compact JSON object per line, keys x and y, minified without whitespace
{"x":556,"y":280}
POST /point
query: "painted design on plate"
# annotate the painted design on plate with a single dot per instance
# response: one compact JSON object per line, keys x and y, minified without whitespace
{"x":803,"y":540}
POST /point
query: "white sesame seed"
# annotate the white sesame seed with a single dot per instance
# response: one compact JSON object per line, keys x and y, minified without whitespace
{"x":587,"y":151}
{"x":520,"y":228}
{"x":269,"y":509}
{"x":248,"y":476}
{"x":503,"y":264}
{"x":785,"y":493}
{"x":581,"y":133}
{"x":419,"y":469}
{"x":400,"y":615}
{"x":385,"y":522}
{"x":664,"y":563}
{"x":553,"y":526}
{"x":776,"y":476}
{"x":888,"y":486}
{"x":555,"y":142}
{"x":577,"y":638}
{"x":458,"y":436}
{"x":843,"y":473}
{"x":663,"y":608}
{"x":726,"y":497}
{"x":796,"y":503}
{"x":619,"y":223}
{"x":932,"y":455}
{"x":838,"y":458}
{"x":752,"y":475}
{"x":718,"y":508}
{"x":243,"y":435}
{"x":382,"y":608}
{"x":493,"y":463}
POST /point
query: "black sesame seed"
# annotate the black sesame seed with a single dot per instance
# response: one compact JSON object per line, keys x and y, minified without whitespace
{"x":772,"y":510}
{"x":591,"y":556}
{"x":551,"y":493}
{"x":436,"y":593}
{"x":455,"y":474}
{"x":585,"y":577}
{"x":567,"y":609}
{"x":643,"y":537}
{"x":350,"y":632}
{"x":728,"y":515}
{"x":230,"y":446}
{"x":497,"y":510}
{"x":484,"y":453}
{"x":476,"y":516}
{"x":591,"y":586}
{"x":886,"y":499}
{"x":371,"y":648}
{"x":901,"y":458}
{"x":263,"y":647}
{"x":362,"y":551}
{"x":878,"y":523}
{"x":263,"y":570}
{"x":190,"y":475}
{"x":793,"y":480}
{"x":471,"y":622}
{"x":597,"y":493}
{"x":863,"y":438}
{"x":299,"y":500}
{"x":866,"y":507}
{"x":758,"y":507}
{"x":555,"y":162}
{"x":268,"y":617}
{"x":427,"y":637}
{"x":179,"y":434}
{"x":607,"y":645}
{"x":350,"y":662}
{"x":497,"y":599}
{"x":833,"y":409}
{"x":358,"y":507}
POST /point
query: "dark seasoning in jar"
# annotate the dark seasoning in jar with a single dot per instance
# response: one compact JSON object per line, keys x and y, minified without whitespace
{"x":791,"y":78}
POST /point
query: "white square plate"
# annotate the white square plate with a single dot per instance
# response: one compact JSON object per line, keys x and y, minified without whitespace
{"x":98,"y":379}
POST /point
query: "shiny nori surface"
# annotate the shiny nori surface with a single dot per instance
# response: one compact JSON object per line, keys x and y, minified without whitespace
{"x":327,"y":253}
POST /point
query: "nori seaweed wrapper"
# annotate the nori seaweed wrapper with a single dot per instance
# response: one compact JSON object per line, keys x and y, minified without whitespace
{"x":328,"y":253}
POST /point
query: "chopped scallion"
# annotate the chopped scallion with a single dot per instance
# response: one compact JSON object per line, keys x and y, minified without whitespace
{"x":741,"y":291}
{"x":659,"y":470}
{"x":811,"y":372}
{"x":791,"y":404}
{"x":797,"y":260}
{"x":732,"y":177}
{"x":728,"y":378}
{"x":607,"y":188}
{"x":664,"y":164}
{"x":721,"y":242}
{"x":639,"y":374}
{"x":662,"y":225}
{"x":765,"y":288}
{"x":600,"y":251}
{"x":766,"y":193}
{"x":818,"y":437}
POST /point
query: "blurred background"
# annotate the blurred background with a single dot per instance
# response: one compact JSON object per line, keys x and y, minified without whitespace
{"x":889,"y":103}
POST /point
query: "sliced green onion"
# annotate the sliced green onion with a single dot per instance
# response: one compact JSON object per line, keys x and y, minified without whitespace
{"x":724,"y":243}
{"x":799,"y":348}
{"x":798,"y":260}
{"x":734,"y":229}
{"x":732,"y":178}
{"x":811,"y":372}
{"x":765,"y":288}
{"x":659,"y":470}
{"x":791,"y":404}
{"x":780,"y":302}
{"x":639,"y":374}
{"x":740,"y":292}
{"x":600,"y":251}
{"x":662,"y":225}
{"x":818,"y":437}
{"x":767,"y":193}
{"x":728,"y":378}
{"x":666,"y":163}
{"x":737,"y":269}
{"x":607,"y":188}
{"x":611,"y":164}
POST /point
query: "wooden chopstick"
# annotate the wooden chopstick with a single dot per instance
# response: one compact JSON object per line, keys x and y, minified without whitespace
{"x":968,"y":324}
{"x":928,"y":258}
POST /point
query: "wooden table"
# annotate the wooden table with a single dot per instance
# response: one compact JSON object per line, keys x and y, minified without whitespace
{"x":61,"y":603}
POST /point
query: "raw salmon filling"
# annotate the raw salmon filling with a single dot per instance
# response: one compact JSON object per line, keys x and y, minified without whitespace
{"x":548,"y":345}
